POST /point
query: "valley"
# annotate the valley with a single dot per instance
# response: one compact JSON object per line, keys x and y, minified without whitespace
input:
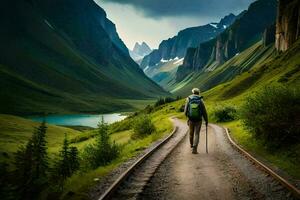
{"x":72,"y":69}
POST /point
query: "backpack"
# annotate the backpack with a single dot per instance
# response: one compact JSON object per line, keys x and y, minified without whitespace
{"x":194,"y":108}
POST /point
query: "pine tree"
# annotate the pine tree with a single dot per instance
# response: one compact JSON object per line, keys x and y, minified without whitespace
{"x":73,"y":159}
{"x":103,"y":151}
{"x":40,"y":158}
{"x":67,"y":164}
{"x":32,"y":164}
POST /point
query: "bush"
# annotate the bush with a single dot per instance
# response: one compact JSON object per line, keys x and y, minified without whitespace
{"x":103,"y":151}
{"x":273,"y":115}
{"x":224,"y":113}
{"x":143,"y":126}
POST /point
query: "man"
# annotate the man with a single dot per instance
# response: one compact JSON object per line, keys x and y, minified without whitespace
{"x":195,"y":109}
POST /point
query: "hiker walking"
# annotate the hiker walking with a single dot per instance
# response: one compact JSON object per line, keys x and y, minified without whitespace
{"x":195,"y":109}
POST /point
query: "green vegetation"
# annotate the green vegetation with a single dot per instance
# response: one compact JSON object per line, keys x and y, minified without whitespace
{"x":16,"y":131}
{"x":67,"y":164}
{"x":272,"y":115}
{"x":224,"y":113}
{"x":103,"y":151}
{"x":162,"y":101}
{"x":143,"y":126}
{"x":32,"y":166}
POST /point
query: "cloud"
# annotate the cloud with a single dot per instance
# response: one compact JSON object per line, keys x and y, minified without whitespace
{"x":170,"y":8}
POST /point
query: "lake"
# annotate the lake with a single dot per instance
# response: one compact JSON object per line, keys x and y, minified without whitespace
{"x":79,"y":119}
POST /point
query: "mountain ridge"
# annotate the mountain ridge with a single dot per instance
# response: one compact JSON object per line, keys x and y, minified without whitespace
{"x":60,"y":59}
{"x":177,"y":45}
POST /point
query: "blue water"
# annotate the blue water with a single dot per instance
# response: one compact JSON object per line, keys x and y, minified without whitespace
{"x":79,"y":119}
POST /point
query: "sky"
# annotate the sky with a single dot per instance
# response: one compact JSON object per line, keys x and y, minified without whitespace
{"x":152,"y":21}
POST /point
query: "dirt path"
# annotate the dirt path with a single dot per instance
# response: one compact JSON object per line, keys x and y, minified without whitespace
{"x":221,"y":174}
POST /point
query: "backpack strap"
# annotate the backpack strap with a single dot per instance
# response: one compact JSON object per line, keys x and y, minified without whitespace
{"x":193,"y":96}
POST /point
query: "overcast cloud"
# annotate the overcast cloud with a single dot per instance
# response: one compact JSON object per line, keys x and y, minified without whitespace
{"x":163,"y":8}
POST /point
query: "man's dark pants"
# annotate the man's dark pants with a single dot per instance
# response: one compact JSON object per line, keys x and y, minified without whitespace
{"x":195,"y":128}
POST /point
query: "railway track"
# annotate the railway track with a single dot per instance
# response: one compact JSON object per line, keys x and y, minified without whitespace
{"x":133,"y":181}
{"x":283,"y":181}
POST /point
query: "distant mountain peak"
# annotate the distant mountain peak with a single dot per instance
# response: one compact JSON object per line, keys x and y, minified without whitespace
{"x":142,"y":48}
{"x":139,"y":51}
{"x":227,"y":20}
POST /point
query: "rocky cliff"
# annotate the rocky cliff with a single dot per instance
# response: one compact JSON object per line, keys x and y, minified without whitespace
{"x":240,"y":35}
{"x":190,"y":37}
{"x":287,"y":24}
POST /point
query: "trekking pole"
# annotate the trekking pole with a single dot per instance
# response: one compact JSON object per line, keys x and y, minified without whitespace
{"x":206,"y":140}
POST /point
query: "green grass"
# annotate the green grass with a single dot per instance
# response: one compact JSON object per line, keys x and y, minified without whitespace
{"x":15,"y":132}
{"x":287,"y":161}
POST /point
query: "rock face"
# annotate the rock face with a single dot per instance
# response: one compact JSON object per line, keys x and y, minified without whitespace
{"x":240,"y":35}
{"x":269,"y":35}
{"x":139,"y":51}
{"x":287,"y":24}
{"x":190,"y":37}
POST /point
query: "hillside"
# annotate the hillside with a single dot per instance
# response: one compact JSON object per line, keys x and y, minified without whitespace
{"x":256,"y":55}
{"x":278,"y":69}
{"x":55,"y":58}
{"x":16,"y":131}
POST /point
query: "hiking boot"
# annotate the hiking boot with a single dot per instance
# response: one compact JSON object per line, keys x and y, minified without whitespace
{"x":194,"y":151}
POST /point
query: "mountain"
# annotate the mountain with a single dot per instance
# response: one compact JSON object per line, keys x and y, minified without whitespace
{"x":140,"y":51}
{"x":65,"y":56}
{"x":164,"y":72}
{"x":190,"y":37}
{"x":288,"y":24}
{"x":243,"y":33}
